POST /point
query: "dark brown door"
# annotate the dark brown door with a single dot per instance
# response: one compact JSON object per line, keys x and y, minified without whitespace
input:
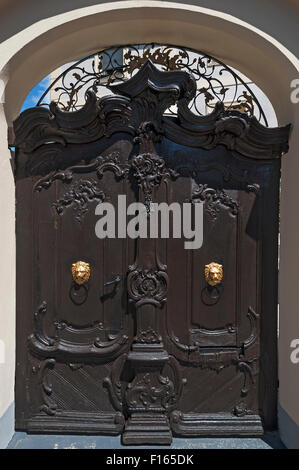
{"x":143,"y":337}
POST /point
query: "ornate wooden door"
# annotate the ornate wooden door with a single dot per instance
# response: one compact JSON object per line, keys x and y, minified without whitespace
{"x":142,"y":337}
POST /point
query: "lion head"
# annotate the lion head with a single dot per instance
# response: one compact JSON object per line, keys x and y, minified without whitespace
{"x":213,"y":273}
{"x":80,"y":272}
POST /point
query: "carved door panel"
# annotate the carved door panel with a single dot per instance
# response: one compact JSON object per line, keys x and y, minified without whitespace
{"x":143,"y":337}
{"x":215,"y":328}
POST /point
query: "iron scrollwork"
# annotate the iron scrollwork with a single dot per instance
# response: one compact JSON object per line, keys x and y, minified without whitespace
{"x":104,"y":68}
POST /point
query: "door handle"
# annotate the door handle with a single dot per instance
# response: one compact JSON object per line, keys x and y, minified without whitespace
{"x":116,"y":281}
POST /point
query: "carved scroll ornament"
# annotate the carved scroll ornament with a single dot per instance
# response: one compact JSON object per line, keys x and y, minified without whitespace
{"x":147,"y":286}
{"x":58,"y":347}
{"x":149,"y":170}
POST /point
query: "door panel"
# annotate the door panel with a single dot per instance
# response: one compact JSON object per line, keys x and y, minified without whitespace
{"x":147,"y":346}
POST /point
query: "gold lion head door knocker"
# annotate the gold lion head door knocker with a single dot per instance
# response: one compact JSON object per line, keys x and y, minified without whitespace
{"x":81,"y":275}
{"x":213,"y":289}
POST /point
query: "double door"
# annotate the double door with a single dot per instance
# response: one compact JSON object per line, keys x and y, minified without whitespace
{"x":146,"y":336}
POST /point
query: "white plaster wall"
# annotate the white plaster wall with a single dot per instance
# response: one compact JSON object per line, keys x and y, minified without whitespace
{"x":258,"y":38}
{"x":7,"y":274}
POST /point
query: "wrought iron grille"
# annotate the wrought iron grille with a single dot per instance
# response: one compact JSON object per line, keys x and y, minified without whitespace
{"x":215,"y":80}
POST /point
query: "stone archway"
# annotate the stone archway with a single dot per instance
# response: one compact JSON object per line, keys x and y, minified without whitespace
{"x":39,"y":48}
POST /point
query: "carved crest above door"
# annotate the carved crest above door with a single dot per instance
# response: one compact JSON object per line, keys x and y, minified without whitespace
{"x":139,"y":110}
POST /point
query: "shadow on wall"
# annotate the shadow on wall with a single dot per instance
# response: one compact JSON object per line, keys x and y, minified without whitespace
{"x":7,"y":425}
